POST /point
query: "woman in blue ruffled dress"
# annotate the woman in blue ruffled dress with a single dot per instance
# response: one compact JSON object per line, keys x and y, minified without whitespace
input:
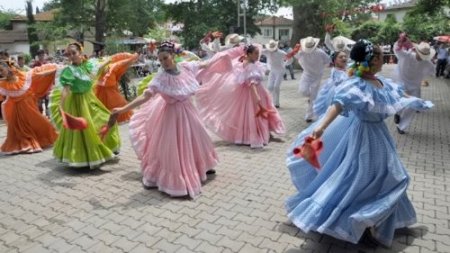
{"x":338,"y":75}
{"x":361,"y":187}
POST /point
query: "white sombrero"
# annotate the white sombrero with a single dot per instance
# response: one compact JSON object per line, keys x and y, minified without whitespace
{"x":424,"y":50}
{"x":272,"y":45}
{"x":309,"y":44}
{"x":341,"y":43}
{"x":233,"y":39}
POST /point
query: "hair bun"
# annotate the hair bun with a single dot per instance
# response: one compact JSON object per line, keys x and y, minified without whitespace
{"x":361,"y":51}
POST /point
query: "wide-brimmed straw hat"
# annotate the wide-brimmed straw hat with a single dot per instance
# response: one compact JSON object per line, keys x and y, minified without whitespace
{"x":424,"y":50}
{"x":272,"y":45}
{"x":233,"y":39}
{"x":340,"y":43}
{"x":309,"y":44}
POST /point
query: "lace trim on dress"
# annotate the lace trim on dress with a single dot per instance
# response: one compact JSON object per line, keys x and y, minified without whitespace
{"x":388,"y":99}
{"x":251,"y":72}
{"x":183,"y":84}
{"x":20,"y":91}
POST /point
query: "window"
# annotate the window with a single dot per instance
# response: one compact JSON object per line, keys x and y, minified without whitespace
{"x":267,"y":32}
{"x":283,"y":34}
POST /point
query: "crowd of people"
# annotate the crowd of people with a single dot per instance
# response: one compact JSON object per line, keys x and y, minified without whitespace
{"x":358,"y":194}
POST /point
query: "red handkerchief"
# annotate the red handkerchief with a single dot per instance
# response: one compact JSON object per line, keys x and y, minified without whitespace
{"x":72,"y":122}
{"x":263,"y":112}
{"x":105,"y":128}
{"x":310,"y":151}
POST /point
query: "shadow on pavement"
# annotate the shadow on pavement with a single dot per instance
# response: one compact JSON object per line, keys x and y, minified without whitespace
{"x":315,"y":242}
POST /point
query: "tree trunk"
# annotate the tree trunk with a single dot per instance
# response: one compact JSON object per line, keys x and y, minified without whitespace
{"x":100,"y":20}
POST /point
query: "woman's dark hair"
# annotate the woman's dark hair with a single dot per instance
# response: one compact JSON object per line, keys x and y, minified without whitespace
{"x":364,"y":51}
{"x":166,"y":46}
{"x":248,"y":49}
{"x":77,"y":45}
{"x":334,"y":55}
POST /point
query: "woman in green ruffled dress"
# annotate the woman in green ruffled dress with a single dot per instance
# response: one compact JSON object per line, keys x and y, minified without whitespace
{"x":73,"y":93}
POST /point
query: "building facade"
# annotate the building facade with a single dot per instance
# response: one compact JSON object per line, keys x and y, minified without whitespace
{"x":273,"y":28}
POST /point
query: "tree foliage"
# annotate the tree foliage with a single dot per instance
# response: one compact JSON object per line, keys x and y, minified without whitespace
{"x":310,"y":16}
{"x":427,"y":20}
{"x":5,"y":17}
{"x":389,"y":31}
{"x":108,"y":17}
{"x":368,"y":30}
{"x":202,"y":16}
{"x":32,"y":33}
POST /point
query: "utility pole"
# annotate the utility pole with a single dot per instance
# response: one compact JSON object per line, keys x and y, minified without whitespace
{"x":242,"y":13}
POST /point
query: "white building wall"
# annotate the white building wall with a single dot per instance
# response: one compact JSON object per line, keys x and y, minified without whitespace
{"x":267,"y":34}
{"x":17,"y":48}
{"x":399,"y":15}
{"x":19,"y":26}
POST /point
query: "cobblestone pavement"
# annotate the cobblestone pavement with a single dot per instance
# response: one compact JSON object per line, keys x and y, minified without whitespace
{"x":45,"y":207}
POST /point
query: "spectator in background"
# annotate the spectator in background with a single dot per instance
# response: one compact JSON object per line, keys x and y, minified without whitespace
{"x":289,"y":63}
{"x":21,"y":63}
{"x":37,"y":63}
{"x":40,"y":60}
{"x":4,"y":56}
{"x":442,"y":55}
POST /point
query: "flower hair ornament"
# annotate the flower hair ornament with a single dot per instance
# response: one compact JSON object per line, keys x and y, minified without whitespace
{"x":247,"y":48}
{"x":362,"y":52}
{"x":167,"y":46}
{"x":78,"y":45}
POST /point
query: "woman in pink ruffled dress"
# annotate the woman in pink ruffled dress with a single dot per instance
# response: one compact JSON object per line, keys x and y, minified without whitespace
{"x":236,"y":106}
{"x":175,"y":150}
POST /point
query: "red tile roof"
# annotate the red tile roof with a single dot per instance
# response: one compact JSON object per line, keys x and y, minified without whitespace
{"x":41,"y":16}
{"x":274,"y":20}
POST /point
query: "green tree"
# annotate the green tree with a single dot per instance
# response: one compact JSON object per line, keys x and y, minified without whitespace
{"x":368,"y":30}
{"x":310,"y":16}
{"x":427,"y":20}
{"x":389,"y":31}
{"x":5,"y":18}
{"x":158,"y":33}
{"x":51,"y":34}
{"x":202,"y":16}
{"x":107,"y":17}
{"x":33,"y":38}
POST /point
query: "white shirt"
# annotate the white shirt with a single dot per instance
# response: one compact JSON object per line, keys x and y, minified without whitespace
{"x":275,"y":59}
{"x":410,"y":71}
{"x":442,"y":53}
{"x":208,"y":49}
{"x":314,"y":62}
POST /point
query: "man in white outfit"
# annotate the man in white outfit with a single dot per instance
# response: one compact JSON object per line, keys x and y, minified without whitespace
{"x":313,"y":61}
{"x":276,"y":65}
{"x":413,"y":66}
{"x":210,"y":47}
{"x":231,"y":40}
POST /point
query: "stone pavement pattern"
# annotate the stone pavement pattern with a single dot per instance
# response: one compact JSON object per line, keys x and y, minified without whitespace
{"x":45,"y":207}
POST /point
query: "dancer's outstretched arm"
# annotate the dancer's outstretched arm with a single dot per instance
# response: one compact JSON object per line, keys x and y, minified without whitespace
{"x":135,"y":103}
{"x":333,"y":111}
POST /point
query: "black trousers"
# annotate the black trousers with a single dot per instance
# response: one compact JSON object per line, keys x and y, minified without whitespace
{"x":440,"y":67}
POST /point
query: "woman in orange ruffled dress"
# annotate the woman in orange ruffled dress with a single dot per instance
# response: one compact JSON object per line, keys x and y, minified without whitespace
{"x":106,"y":88}
{"x":28,"y":130}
